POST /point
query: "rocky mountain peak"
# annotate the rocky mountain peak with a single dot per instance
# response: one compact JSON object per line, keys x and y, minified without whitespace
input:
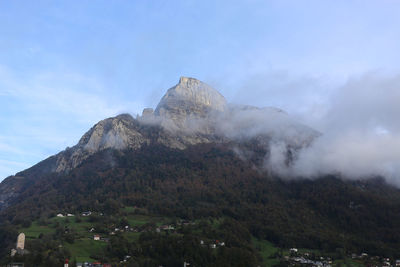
{"x":189,"y":113}
{"x":191,"y":96}
{"x":190,"y":106}
{"x":110,"y":133}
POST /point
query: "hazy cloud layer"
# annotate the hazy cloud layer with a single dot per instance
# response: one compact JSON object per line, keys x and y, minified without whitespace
{"x":249,"y":121}
{"x":357,"y":126}
{"x":361,"y":133}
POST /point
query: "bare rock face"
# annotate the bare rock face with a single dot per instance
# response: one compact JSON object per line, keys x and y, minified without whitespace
{"x":116,"y":133}
{"x":188,"y":104}
{"x":147,"y":112}
{"x":192,"y":96}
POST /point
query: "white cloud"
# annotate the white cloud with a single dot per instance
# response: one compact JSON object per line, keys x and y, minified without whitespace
{"x":361,"y":132}
{"x":359,"y":120}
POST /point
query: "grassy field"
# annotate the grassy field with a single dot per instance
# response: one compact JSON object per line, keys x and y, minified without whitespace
{"x":266,"y":249}
{"x":138,"y":220}
{"x":128,"y":210}
{"x":84,"y":246}
{"x":35,"y":230}
{"x":82,"y":249}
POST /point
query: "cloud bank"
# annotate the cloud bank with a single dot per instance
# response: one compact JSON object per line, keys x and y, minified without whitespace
{"x":361,"y":133}
{"x":356,"y":136}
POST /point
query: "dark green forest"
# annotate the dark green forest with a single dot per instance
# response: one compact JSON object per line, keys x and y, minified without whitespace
{"x":202,"y":183}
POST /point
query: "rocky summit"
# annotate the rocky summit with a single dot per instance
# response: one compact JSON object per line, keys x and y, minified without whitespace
{"x":190,"y":106}
{"x":190,"y":98}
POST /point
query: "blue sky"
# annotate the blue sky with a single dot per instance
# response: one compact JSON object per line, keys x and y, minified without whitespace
{"x":64,"y":65}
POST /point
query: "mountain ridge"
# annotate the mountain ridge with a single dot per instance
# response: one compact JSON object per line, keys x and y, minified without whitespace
{"x":189,"y":113}
{"x":202,"y":160}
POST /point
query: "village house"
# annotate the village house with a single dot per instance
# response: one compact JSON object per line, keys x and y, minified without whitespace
{"x":96,"y":237}
{"x":167,"y":227}
{"x":16,"y":264}
{"x":94,"y":264}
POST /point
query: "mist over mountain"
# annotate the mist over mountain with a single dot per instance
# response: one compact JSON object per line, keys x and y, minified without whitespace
{"x":189,"y":113}
{"x":193,"y":113}
{"x":197,"y":157}
{"x":360,"y":132}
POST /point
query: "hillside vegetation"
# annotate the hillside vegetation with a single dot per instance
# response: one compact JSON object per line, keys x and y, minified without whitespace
{"x":228,"y":199}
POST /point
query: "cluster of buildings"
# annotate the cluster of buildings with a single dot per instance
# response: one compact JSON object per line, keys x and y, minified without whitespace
{"x":84,"y":214}
{"x":305,"y":259}
{"x":214,"y":244}
{"x":65,"y":215}
{"x":376,"y":261}
{"x":92,"y":264}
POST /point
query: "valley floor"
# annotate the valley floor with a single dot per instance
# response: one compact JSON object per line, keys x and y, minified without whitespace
{"x":93,"y":237}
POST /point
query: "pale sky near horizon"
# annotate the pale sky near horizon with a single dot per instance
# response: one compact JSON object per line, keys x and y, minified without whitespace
{"x":65,"y":65}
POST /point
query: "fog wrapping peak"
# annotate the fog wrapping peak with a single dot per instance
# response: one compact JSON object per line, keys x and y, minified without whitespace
{"x":358,"y":134}
{"x":361,"y":132}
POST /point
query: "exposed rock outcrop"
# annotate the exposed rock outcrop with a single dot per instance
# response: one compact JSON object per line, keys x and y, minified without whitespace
{"x":119,"y":133}
{"x":191,"y":106}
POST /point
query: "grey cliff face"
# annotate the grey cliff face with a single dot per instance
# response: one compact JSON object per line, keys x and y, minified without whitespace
{"x":188,"y":104}
{"x":116,"y":133}
{"x":192,"y":96}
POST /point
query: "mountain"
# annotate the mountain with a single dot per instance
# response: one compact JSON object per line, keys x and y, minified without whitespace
{"x":198,"y":159}
{"x":189,"y":113}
